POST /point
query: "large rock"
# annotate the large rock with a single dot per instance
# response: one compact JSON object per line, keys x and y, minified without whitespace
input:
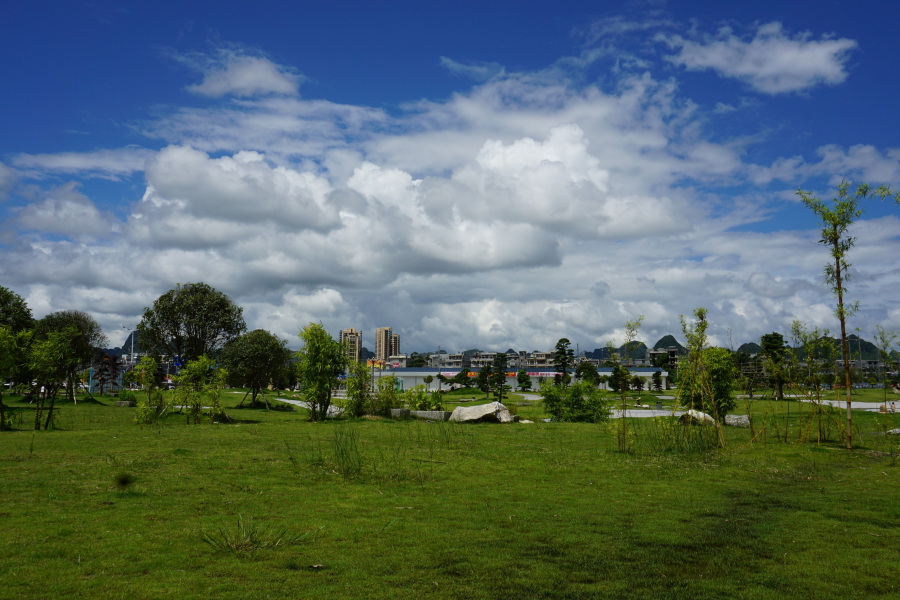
{"x":893,"y":432}
{"x":431,"y":415}
{"x":126,"y":403}
{"x":695,"y":417}
{"x":483,"y":413}
{"x":737,"y":420}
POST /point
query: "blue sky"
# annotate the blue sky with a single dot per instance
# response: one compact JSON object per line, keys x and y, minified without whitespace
{"x":472,"y":174}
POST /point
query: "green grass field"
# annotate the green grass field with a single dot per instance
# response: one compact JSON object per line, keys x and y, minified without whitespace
{"x":103,"y":508}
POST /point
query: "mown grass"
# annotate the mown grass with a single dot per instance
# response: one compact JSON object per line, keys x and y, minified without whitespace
{"x":414,"y":509}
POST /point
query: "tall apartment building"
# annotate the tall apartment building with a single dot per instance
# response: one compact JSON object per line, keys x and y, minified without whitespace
{"x":353,"y":339}
{"x":395,"y":344}
{"x":385,"y":342}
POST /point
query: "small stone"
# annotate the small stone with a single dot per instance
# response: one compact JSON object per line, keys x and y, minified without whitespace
{"x":893,"y":432}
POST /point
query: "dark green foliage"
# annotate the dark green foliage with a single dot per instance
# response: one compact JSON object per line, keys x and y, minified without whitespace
{"x":667,"y":341}
{"x":657,"y":381}
{"x":523,"y":380}
{"x":498,"y":377}
{"x":416,"y":360}
{"x":563,"y":360}
{"x":14,"y":312}
{"x":637,"y":383}
{"x":88,"y":339}
{"x":190,"y":321}
{"x":585,"y":371}
{"x":711,"y":391}
{"x":483,"y":380}
{"x":462,"y":378}
{"x":255,"y":360}
{"x":618,"y":379}
{"x":774,"y":349}
{"x":578,"y":403}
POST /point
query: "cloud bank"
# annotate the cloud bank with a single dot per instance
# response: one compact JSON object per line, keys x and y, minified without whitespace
{"x":522,"y":210}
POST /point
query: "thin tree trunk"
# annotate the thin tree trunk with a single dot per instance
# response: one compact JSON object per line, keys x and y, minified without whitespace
{"x":50,"y":411}
{"x":844,"y":345}
{"x":37,"y":411}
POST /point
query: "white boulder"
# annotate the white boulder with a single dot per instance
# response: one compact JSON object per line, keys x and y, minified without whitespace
{"x":483,"y":413}
{"x":695,"y":417}
{"x":737,"y":420}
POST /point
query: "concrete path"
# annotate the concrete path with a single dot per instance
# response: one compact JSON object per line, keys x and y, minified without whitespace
{"x":617,"y":414}
{"x":333,"y":410}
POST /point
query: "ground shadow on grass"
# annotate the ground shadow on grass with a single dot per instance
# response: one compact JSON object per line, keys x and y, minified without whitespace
{"x":732,"y":547}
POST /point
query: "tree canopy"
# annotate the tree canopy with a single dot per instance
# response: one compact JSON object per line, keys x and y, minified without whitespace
{"x":14,"y":312}
{"x":563,"y":360}
{"x":88,"y":338}
{"x":322,"y":360}
{"x":190,"y":321}
{"x":255,"y":360}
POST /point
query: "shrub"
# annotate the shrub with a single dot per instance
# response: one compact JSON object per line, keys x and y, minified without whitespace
{"x":127,"y":396}
{"x":386,"y":398}
{"x":581,"y":403}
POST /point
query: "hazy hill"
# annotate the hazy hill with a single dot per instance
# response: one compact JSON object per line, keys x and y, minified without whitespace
{"x":669,"y":340}
{"x":750,"y":348}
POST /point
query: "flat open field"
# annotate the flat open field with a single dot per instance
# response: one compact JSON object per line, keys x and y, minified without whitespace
{"x":382,"y":509}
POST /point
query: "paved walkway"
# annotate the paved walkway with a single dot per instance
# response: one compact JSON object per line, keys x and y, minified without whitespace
{"x":617,"y":414}
{"x":333,"y":410}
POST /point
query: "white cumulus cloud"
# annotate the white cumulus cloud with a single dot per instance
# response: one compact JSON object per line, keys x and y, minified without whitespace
{"x":235,"y":72}
{"x":772,"y":61}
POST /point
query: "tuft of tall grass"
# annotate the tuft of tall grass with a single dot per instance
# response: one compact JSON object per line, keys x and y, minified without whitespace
{"x":347,"y":456}
{"x":665,"y":435}
{"x":250,"y":537}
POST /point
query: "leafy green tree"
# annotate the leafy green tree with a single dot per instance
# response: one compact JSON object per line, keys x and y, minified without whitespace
{"x":657,"y":381}
{"x":498,"y":377}
{"x":462,"y":378}
{"x":50,"y":360}
{"x":563,"y":360}
{"x":416,"y":360}
{"x":775,"y":350}
{"x":89,"y":339}
{"x":523,"y":380}
{"x":358,"y":392}
{"x":255,"y":360}
{"x":14,"y":312}
{"x":581,"y":402}
{"x":637,"y":383}
{"x":835,"y":221}
{"x":146,"y":374}
{"x":322,"y":361}
{"x":712,"y":391}
{"x":618,"y":379}
{"x":190,"y":321}
{"x":483,"y":380}
{"x":198,"y":378}
{"x":9,"y":350}
{"x":428,"y":379}
{"x":585,"y":371}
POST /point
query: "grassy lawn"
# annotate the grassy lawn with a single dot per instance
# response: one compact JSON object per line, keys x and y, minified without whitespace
{"x":414,"y":509}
